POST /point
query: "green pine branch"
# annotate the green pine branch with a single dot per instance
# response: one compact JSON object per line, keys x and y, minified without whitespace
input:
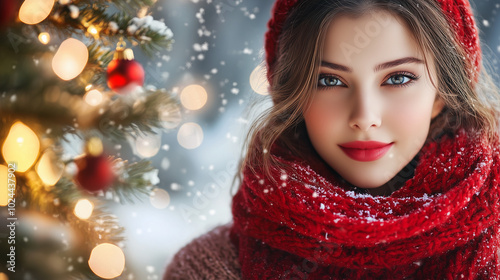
{"x":134,"y":186}
{"x":111,"y":26}
{"x":62,"y":113}
{"x":128,"y":6}
{"x":59,"y":201}
{"x":54,"y":109}
{"x":122,"y":119}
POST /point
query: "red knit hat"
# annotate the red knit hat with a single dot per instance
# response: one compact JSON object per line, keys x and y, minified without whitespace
{"x":459,"y":14}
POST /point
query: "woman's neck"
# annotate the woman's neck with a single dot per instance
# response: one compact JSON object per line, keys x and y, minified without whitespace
{"x":395,"y":183}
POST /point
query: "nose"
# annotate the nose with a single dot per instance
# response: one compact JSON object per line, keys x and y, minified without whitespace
{"x":365,"y":113}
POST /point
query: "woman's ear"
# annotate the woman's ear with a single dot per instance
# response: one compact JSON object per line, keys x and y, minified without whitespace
{"x":437,"y":107}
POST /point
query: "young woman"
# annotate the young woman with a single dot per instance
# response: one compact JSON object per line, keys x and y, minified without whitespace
{"x":379,"y":158}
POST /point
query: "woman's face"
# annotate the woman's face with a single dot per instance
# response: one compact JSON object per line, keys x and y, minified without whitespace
{"x":371,"y":112}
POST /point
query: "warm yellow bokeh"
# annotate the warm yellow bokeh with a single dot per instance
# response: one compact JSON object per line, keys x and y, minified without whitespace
{"x":83,"y":209}
{"x":49,"y":168}
{"x":107,"y":261}
{"x":193,"y":97}
{"x":44,"y":38}
{"x":70,"y":59}
{"x":92,"y":30}
{"x":21,"y":147}
{"x":94,"y":146}
{"x":35,"y":11}
{"x":3,"y":276}
{"x":4,"y":192}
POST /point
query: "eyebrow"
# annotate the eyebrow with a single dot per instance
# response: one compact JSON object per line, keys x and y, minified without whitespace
{"x":377,"y":68}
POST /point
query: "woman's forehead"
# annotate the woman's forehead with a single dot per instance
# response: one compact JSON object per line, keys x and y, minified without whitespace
{"x":369,"y":39}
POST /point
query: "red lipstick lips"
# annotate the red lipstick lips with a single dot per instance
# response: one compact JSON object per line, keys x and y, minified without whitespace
{"x":365,"y":150}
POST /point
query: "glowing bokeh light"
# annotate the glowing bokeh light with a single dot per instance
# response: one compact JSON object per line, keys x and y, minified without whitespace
{"x":49,"y":169}
{"x":83,"y":209}
{"x":93,"y":97}
{"x":148,"y":145}
{"x":21,"y":146}
{"x":70,"y":59}
{"x":107,"y":261}
{"x":258,"y":80}
{"x":159,"y":198}
{"x":44,"y":38}
{"x":35,"y":11}
{"x":193,"y":97}
{"x":94,"y":146}
{"x":190,"y":135}
{"x":92,"y":30}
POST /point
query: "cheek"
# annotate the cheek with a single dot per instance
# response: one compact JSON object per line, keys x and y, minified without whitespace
{"x":411,"y":121}
{"x":316,"y":119}
{"x":322,"y":116}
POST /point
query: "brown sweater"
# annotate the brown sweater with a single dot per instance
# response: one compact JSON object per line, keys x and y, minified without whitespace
{"x":210,"y":256}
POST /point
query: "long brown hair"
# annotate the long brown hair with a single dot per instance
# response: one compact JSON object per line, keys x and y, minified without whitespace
{"x":469,"y":104}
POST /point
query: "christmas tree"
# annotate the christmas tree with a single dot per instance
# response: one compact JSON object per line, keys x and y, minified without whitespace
{"x":69,"y":81}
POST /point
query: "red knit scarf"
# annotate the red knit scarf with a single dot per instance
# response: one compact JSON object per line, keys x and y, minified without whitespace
{"x":442,"y":224}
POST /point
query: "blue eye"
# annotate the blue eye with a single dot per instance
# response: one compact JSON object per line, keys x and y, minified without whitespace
{"x":329,"y":81}
{"x":401,"y":79}
{"x":398,"y":79}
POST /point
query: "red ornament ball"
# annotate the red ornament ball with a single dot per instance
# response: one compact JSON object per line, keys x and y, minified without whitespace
{"x":123,"y":73}
{"x":95,"y":173}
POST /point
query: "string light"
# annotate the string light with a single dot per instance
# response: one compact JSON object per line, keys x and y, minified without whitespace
{"x":70,"y":59}
{"x":190,"y":135}
{"x":35,"y":11}
{"x":49,"y":169}
{"x":83,"y":209}
{"x":44,"y":38}
{"x":107,"y":261}
{"x":93,"y":30}
{"x":193,"y":97}
{"x":21,"y":146}
{"x":94,"y":146}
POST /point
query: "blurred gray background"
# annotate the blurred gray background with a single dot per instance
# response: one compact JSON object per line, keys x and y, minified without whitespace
{"x":218,"y":43}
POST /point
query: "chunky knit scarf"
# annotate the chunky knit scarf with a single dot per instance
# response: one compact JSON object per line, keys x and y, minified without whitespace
{"x":442,"y":224}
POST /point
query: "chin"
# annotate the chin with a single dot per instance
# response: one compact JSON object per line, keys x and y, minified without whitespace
{"x":368,"y":176}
